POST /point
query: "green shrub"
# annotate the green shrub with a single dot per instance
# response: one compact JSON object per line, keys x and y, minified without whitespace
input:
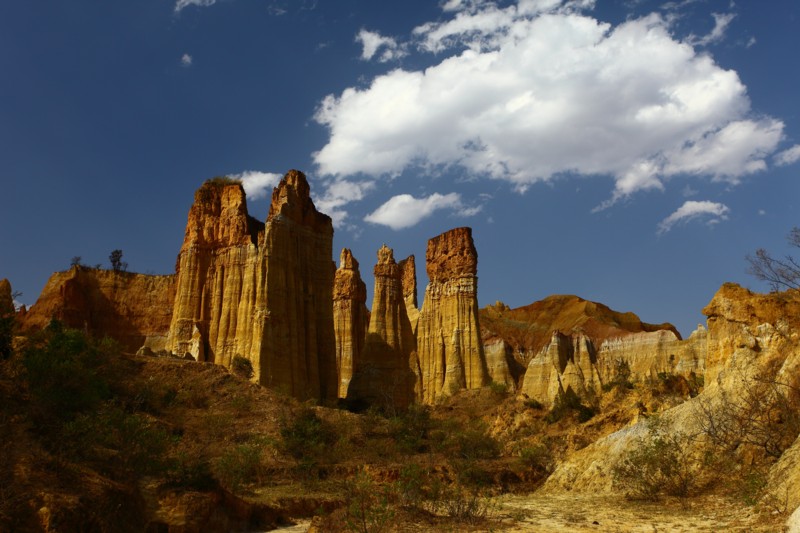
{"x":307,"y":438}
{"x":367,"y":505}
{"x":410,"y":429}
{"x":499,"y":389}
{"x":565,"y":403}
{"x":621,"y":378}
{"x":190,"y":473}
{"x":657,"y":464}
{"x":532,"y":403}
{"x":62,"y":368}
{"x":242,"y":366}
{"x":537,"y":458}
{"x":238,"y":465}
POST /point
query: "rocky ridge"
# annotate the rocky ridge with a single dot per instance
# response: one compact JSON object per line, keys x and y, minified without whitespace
{"x":134,"y":309}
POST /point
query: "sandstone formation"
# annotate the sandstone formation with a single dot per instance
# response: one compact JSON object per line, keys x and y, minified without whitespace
{"x":566,"y":342}
{"x":217,"y":276}
{"x":134,"y":309}
{"x":256,"y":290}
{"x":298,"y":346}
{"x":408,"y":275}
{"x":748,"y":335}
{"x":350,"y":317}
{"x":385,"y":373}
{"x":449,"y":346}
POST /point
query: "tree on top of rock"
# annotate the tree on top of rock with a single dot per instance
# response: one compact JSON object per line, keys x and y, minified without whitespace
{"x":117,"y":264}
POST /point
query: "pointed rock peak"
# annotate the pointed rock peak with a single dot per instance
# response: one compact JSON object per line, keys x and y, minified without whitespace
{"x":218,"y":217}
{"x":347,"y":261}
{"x":219,"y":191}
{"x":292,"y":199}
{"x":385,"y":255}
{"x":451,"y":255}
{"x":408,"y":270}
{"x":386,"y":265}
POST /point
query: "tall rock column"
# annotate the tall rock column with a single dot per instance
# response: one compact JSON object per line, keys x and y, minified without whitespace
{"x":383,"y":375}
{"x":293,"y":311}
{"x":408,"y":277}
{"x":449,"y":346}
{"x":350,"y":317}
{"x":215,"y":275}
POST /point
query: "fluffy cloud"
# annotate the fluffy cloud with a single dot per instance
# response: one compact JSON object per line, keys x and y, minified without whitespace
{"x":180,"y":4}
{"x":186,"y":60}
{"x":404,"y":211}
{"x":539,"y":89}
{"x":339,"y":193}
{"x":257,"y":184}
{"x":788,"y":157}
{"x":691,"y":210}
{"x":372,"y":42}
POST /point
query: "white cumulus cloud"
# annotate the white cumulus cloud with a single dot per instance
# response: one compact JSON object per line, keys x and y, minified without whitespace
{"x":403,"y":211}
{"x":180,"y":4}
{"x":339,"y":193}
{"x":539,"y":89}
{"x":788,"y":156}
{"x":373,"y":42}
{"x":257,"y":184}
{"x":691,"y":210}
{"x":186,"y":60}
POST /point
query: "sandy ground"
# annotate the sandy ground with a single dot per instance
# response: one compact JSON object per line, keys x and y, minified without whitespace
{"x":566,"y":513}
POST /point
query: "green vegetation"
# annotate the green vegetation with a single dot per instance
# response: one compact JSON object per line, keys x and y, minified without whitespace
{"x":568,"y":402}
{"x":242,"y":366}
{"x":659,"y":464}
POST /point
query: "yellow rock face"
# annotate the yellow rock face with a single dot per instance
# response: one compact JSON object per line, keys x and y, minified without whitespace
{"x":449,"y":347}
{"x":384,"y":375}
{"x":134,"y":309}
{"x":260,"y":291}
{"x":350,"y":317}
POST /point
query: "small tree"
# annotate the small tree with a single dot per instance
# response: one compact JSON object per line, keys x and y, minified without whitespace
{"x":779,"y":273}
{"x":75,"y":261}
{"x":117,"y":264}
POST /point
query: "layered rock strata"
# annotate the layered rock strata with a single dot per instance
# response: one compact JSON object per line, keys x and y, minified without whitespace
{"x":134,"y":309}
{"x":449,"y":346}
{"x":571,"y":361}
{"x":350,"y":317}
{"x":262,"y":291}
{"x":385,"y":373}
{"x":298,"y":345}
{"x":750,"y":337}
{"x":217,"y":271}
{"x":408,"y":277}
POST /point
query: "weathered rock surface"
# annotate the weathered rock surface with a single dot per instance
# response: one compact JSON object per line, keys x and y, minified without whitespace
{"x":260,"y":291}
{"x":408,"y":275}
{"x":134,"y":309}
{"x":217,"y":276}
{"x":449,"y":346}
{"x":350,"y":317}
{"x":385,"y":372}
{"x":748,"y":334}
{"x":298,"y":345}
{"x":567,"y":342}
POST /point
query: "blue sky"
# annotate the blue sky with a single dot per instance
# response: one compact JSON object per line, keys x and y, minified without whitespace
{"x":631,"y":152}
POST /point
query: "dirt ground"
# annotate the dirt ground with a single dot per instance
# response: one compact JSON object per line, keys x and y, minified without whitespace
{"x":568,"y":513}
